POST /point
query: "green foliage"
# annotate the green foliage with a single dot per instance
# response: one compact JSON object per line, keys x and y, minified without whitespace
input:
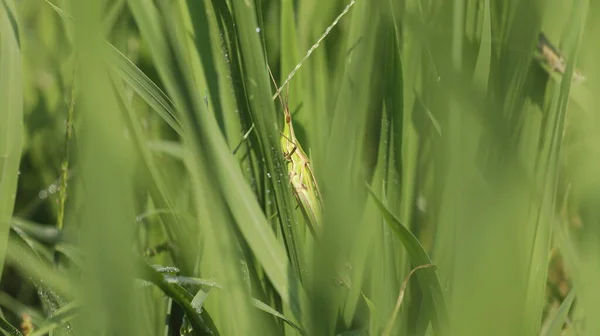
{"x":444,"y":142}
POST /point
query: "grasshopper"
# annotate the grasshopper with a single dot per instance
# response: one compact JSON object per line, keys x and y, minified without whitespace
{"x":300,"y":173}
{"x":304,"y":185}
{"x":553,"y":58}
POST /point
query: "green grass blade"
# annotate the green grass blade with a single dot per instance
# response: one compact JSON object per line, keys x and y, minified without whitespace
{"x":558,"y":321}
{"x":158,"y":187}
{"x":60,"y":317}
{"x":200,"y":320}
{"x":42,"y":233}
{"x":9,"y":328}
{"x":133,"y":76}
{"x":267,"y":309}
{"x":11,"y":118}
{"x":39,"y":271}
{"x":107,"y":161}
{"x":418,"y":256}
{"x":144,"y":87}
{"x":258,"y":87}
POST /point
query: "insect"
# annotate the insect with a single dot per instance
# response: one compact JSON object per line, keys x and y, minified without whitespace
{"x":552,"y":57}
{"x":300,"y":173}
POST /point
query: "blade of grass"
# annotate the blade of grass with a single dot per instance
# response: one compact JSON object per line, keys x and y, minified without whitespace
{"x":201,"y":320}
{"x":267,"y":309}
{"x":161,"y":194}
{"x":558,"y":321}
{"x":38,"y":271}
{"x":138,"y":81}
{"x":42,"y":233}
{"x":107,"y":162}
{"x":60,"y":317}
{"x":549,"y":170}
{"x":144,"y":87}
{"x":11,"y":118}
{"x":428,"y":278}
{"x":352,"y":140}
{"x":9,"y":328}
{"x":392,"y":320}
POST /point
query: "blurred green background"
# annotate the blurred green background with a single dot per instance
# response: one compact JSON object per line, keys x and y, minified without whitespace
{"x":144,"y":191}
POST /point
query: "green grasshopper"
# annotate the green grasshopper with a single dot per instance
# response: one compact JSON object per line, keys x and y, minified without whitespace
{"x":300,"y":173}
{"x":304,"y":184}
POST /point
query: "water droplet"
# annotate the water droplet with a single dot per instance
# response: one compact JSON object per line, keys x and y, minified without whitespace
{"x":268,"y":191}
{"x":257,"y":30}
{"x":269,"y":202}
{"x":268,"y":174}
{"x":43,"y":194}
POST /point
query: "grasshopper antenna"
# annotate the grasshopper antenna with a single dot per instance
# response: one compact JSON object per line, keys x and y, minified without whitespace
{"x":285,"y":110}
{"x":275,"y":83}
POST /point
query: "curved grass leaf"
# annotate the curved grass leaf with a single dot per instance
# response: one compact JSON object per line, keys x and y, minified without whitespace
{"x":145,"y":88}
{"x":428,"y":278}
{"x":200,"y":320}
{"x":197,"y":302}
{"x":267,"y":309}
{"x":139,"y":82}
